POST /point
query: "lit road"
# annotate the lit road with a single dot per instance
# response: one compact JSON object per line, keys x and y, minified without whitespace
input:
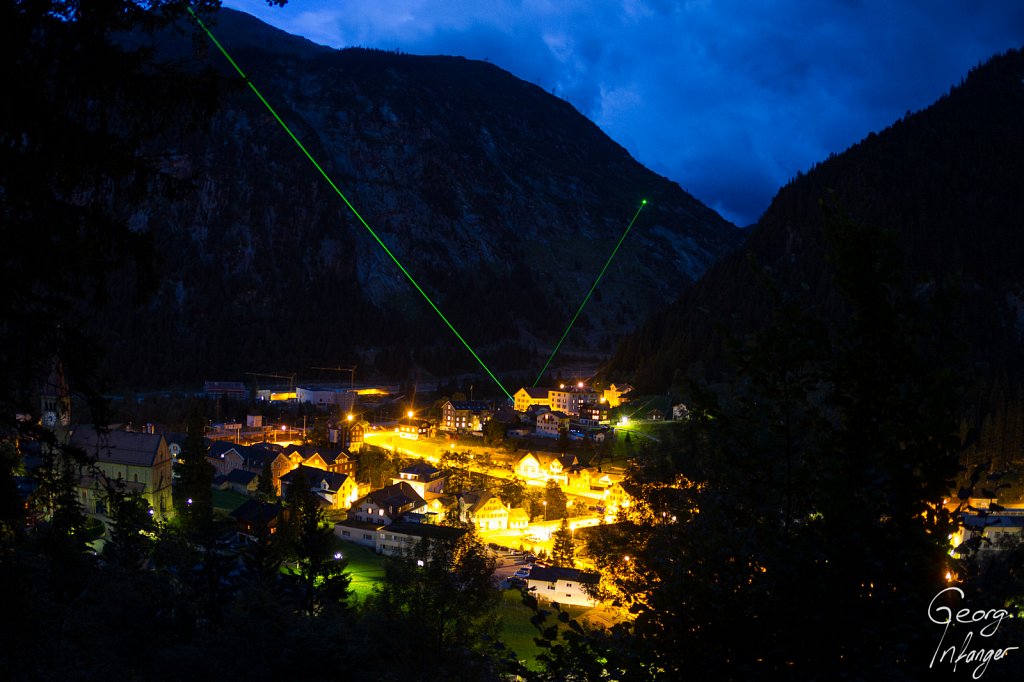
{"x":429,"y":451}
{"x":392,"y":441}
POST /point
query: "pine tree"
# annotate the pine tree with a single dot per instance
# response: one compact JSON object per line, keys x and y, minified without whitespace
{"x":194,"y":495}
{"x":563,"y":550}
{"x":265,"y":489}
{"x":441,"y":601}
{"x":555,"y":499}
{"x":133,"y":534}
{"x":816,"y":478}
{"x":321,"y":567}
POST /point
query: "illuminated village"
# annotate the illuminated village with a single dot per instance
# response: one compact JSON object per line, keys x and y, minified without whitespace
{"x":277,"y":286}
{"x":546,"y":465}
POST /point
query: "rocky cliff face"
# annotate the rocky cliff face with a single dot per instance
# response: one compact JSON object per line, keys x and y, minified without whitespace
{"x":500,"y":199}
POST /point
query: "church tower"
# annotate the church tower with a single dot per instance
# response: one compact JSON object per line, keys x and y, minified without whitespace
{"x":55,"y":400}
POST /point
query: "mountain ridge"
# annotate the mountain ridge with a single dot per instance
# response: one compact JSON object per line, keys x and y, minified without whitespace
{"x":945,"y":179}
{"x":497,"y":195}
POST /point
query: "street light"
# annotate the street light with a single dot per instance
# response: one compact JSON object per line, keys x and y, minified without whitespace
{"x":545,"y":510}
{"x":409,"y":414}
{"x":349,"y":417}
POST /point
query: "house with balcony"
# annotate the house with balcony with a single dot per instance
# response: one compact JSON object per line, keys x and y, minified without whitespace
{"x":484,"y":510}
{"x":551,"y":424}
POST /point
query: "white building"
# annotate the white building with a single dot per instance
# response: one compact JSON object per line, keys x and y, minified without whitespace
{"x":562,"y":585}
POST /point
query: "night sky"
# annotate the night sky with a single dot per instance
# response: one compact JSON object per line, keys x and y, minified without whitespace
{"x":730,"y":98}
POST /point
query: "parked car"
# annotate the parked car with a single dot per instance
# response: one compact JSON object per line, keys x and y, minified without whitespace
{"x":522,"y":573}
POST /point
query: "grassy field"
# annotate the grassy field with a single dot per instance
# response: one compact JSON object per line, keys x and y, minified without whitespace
{"x":366,"y":567}
{"x":227,"y":500}
{"x":518,"y":633}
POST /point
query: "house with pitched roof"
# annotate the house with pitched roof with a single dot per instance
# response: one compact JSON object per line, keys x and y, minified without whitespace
{"x":255,"y":519}
{"x":550,"y":424}
{"x":225,"y":457}
{"x":378,"y":509}
{"x":238,"y":480}
{"x":616,"y":394}
{"x":426,"y":479}
{"x":142,"y":461}
{"x":339,"y":491}
{"x":327,"y":457}
{"x":518,"y":519}
{"x":484,"y":510}
{"x":412,"y":428}
{"x":562,"y":585}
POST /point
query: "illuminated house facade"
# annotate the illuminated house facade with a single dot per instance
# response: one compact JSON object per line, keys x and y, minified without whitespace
{"x":525,"y":397}
{"x":571,"y":398}
{"x":413,"y":429}
{"x":339,"y":491}
{"x":594,"y":414}
{"x":398,"y":539}
{"x":465,"y":415}
{"x":427,"y":480}
{"x":483,"y":510}
{"x":550,"y":424}
{"x":562,"y":585}
{"x":379,"y":509}
{"x":616,"y":394}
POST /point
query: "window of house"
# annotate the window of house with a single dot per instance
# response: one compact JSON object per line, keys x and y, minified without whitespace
{"x":367,"y":537}
{"x":568,"y":585}
{"x":344,"y":533}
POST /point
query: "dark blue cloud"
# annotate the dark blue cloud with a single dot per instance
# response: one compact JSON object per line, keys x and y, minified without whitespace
{"x":729,"y":98}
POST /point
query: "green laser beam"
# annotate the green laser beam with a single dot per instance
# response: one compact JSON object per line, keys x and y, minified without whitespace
{"x":589,"y":293}
{"x":345,"y":199}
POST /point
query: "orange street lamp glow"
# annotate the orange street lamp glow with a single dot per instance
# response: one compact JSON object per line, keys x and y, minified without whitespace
{"x":409,"y":414}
